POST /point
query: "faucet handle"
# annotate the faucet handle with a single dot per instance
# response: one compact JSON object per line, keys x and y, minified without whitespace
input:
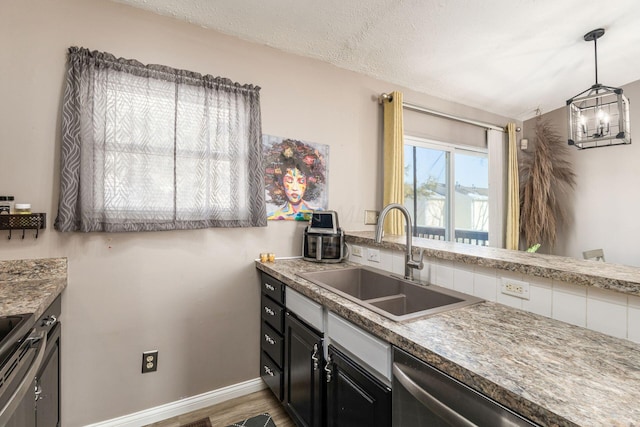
{"x":418,"y":265}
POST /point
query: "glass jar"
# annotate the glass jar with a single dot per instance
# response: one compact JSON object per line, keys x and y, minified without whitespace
{"x":23,"y":208}
{"x":5,"y":207}
{"x":12,"y":203}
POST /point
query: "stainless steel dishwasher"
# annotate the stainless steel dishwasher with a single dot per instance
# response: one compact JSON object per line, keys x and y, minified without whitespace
{"x":425,"y":396}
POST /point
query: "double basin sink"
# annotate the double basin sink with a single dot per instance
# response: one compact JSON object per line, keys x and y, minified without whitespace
{"x":387,"y":294}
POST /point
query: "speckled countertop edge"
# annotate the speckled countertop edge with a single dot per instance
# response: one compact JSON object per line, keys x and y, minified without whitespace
{"x":551,"y":372}
{"x":616,"y":277}
{"x":31,"y":285}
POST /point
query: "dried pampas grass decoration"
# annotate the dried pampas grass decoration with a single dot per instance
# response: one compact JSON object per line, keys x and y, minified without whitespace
{"x":547,"y":177}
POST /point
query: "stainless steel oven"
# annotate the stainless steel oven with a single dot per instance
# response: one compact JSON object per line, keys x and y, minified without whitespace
{"x":425,"y":396}
{"x":20,"y":358}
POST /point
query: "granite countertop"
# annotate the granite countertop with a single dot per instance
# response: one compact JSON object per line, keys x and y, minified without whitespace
{"x":616,"y":277}
{"x":552,"y":372}
{"x":30,"y":286}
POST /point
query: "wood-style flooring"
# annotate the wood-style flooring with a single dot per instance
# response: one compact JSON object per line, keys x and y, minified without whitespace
{"x":234,"y":410}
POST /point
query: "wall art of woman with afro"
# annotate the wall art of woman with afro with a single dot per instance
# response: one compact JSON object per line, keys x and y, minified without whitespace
{"x":295,"y":178}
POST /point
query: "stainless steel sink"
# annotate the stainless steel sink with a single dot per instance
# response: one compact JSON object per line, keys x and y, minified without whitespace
{"x":389,"y":295}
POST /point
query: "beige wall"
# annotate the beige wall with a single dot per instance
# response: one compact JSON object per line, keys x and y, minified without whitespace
{"x":193,"y":295}
{"x":604,"y":204}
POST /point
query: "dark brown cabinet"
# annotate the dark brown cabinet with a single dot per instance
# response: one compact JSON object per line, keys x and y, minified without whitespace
{"x":272,"y":334}
{"x":303,"y":373}
{"x":354,"y":397}
{"x":337,"y":392}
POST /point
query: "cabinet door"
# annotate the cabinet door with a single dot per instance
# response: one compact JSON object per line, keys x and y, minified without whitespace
{"x":304,"y":386}
{"x":354,"y":397}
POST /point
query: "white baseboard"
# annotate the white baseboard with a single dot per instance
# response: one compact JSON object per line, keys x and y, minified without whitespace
{"x":184,"y":406}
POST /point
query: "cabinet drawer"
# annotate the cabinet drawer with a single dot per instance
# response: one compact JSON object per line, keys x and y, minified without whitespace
{"x":273,"y":313}
{"x":272,"y":343}
{"x":272,"y":287}
{"x":271,"y":374}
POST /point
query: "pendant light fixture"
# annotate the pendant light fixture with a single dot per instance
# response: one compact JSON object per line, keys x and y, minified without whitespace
{"x":598,"y":116}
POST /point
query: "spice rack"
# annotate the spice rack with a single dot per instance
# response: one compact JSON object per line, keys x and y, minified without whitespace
{"x":34,"y":221}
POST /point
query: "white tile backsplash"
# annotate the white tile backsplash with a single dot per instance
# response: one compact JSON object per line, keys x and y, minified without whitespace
{"x":601,"y":310}
{"x":428,"y":273}
{"x":509,"y":300}
{"x":386,"y":260}
{"x":444,"y":274}
{"x":485,"y":286}
{"x":424,"y":274}
{"x":607,"y":312}
{"x":540,"y":296}
{"x":398,"y":263}
{"x":463,"y":280}
{"x":569,"y":303}
{"x":509,"y":275}
{"x":633,"y":320}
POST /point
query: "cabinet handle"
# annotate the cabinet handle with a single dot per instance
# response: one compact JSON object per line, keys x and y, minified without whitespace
{"x":49,"y":320}
{"x":269,"y":311}
{"x":315,"y":358}
{"x":435,"y":406}
{"x":268,"y":339}
{"x":38,"y":392}
{"x":270,"y":287}
{"x":268,"y":371}
{"x":327,"y":369}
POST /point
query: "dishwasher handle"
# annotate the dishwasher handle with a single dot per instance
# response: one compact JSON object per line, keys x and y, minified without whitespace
{"x":27,"y":380}
{"x":427,"y":399}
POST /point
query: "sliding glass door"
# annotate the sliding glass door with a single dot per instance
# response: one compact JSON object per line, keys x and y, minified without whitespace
{"x":446,"y":191}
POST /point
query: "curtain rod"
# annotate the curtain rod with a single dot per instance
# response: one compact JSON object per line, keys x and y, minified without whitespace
{"x":386,"y":97}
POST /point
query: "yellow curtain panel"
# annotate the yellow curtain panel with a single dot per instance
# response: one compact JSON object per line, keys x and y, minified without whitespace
{"x":393,"y":162}
{"x":513,"y":189}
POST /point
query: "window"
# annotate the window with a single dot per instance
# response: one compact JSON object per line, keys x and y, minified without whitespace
{"x":446,"y":190}
{"x":155,"y":148}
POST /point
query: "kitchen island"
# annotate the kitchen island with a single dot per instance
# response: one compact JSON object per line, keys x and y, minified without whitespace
{"x":620,"y":278}
{"x":549,"y":371}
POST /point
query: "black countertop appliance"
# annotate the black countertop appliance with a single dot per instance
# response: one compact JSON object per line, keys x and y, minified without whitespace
{"x":323,"y":239}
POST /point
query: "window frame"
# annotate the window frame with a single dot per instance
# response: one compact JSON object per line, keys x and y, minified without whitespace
{"x":154,"y":148}
{"x":451,"y":149}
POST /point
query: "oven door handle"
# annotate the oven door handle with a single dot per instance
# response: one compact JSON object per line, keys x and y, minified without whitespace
{"x":27,"y":380}
{"x":427,"y":399}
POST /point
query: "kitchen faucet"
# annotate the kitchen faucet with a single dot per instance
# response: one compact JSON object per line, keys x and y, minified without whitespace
{"x":410,"y":264}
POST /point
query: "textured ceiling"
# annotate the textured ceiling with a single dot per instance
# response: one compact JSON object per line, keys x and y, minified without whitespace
{"x":508,"y":57}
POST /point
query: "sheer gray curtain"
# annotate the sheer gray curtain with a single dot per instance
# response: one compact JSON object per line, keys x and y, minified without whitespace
{"x":149,"y":147}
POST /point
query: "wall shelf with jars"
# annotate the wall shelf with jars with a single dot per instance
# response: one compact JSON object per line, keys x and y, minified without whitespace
{"x":23,"y":221}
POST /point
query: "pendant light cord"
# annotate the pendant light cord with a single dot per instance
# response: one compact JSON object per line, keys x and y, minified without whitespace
{"x":595,"y":48}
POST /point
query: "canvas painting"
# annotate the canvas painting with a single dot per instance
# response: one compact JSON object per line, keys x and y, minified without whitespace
{"x":295,"y":178}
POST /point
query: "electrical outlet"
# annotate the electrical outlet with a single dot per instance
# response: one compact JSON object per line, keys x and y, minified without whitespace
{"x":373,"y":255}
{"x":356,"y":251}
{"x":149,"y":361}
{"x":371,"y":217}
{"x":515,"y":288}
